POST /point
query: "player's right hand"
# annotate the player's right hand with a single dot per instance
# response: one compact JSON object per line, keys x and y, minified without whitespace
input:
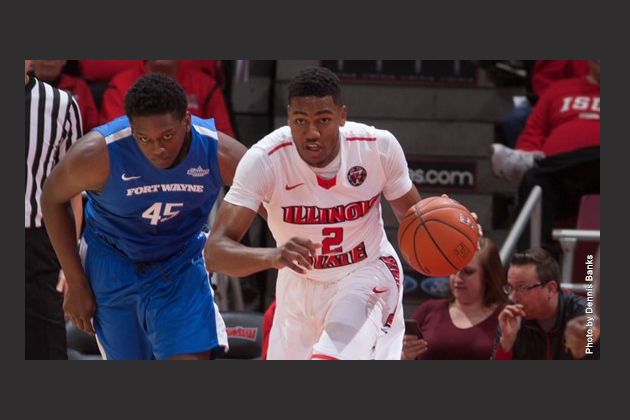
{"x":79,"y":305}
{"x":413,"y":346}
{"x":295,"y":254}
{"x":510,"y":323}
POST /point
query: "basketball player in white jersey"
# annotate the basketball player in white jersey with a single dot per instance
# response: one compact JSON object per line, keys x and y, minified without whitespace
{"x":339,"y":288}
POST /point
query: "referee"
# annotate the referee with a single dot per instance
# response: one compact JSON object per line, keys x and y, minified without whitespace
{"x":53,"y":124}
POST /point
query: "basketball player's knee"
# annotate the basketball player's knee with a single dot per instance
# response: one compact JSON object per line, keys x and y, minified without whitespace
{"x":350,"y":314}
{"x":353,"y":305}
{"x":341,"y":333}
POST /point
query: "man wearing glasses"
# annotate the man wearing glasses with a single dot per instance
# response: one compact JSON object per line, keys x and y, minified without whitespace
{"x":533,"y":327}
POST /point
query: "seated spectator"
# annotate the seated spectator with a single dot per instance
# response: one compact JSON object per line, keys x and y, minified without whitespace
{"x":464,"y":325}
{"x":565,"y":128}
{"x":205,"y":98}
{"x":567,"y":116}
{"x":579,"y":330}
{"x":547,"y":72}
{"x":533,"y":327}
{"x":512,"y":164}
{"x":266,"y":328}
{"x":51,"y":72}
{"x":543,"y":74}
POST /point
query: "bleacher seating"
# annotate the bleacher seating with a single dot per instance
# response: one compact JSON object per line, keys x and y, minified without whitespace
{"x":244,"y":330}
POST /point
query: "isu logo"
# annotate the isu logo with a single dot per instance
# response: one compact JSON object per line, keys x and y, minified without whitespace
{"x":242,"y":332}
{"x":357,"y":175}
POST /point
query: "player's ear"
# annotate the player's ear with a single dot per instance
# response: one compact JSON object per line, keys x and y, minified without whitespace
{"x":344,"y":113}
{"x":187,"y":121}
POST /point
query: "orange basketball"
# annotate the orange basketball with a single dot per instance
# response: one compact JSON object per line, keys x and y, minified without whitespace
{"x":438,"y":236}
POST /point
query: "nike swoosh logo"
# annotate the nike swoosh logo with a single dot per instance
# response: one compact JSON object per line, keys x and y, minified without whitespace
{"x":375,"y":290}
{"x":289,"y":188}
{"x":129,"y":178}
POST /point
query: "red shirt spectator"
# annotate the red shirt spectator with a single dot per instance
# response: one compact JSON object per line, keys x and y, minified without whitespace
{"x":547,"y":72}
{"x":566,"y":118}
{"x":205,"y":98}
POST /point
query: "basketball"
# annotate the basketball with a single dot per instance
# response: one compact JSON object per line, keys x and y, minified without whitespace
{"x":438,"y":236}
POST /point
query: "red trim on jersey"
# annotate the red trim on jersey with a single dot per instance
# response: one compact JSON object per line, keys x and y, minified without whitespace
{"x":360,"y":138}
{"x":278,"y":147}
{"x":392,"y":265}
{"x":323,"y":357}
{"x":326,"y":183}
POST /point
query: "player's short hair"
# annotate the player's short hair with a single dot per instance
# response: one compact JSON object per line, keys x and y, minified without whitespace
{"x":316,"y":81}
{"x":155,"y":94}
{"x":547,"y":267}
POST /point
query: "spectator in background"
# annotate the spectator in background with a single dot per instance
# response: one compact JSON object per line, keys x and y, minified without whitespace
{"x":51,"y":72}
{"x":533,"y":327}
{"x":547,"y":72}
{"x":563,"y":134}
{"x":204,"y":95}
{"x":565,"y":126}
{"x":464,"y":325}
{"x":45,"y":107}
{"x":543,"y":74}
{"x":566,"y":118}
{"x":509,"y":163}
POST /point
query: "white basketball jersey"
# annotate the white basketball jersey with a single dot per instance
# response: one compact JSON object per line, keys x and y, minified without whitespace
{"x":342,"y":213}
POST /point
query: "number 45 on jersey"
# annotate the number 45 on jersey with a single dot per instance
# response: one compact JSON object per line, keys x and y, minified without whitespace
{"x":155,"y":214}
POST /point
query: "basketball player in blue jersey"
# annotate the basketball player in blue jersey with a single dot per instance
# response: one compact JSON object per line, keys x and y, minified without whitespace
{"x":138,"y":279}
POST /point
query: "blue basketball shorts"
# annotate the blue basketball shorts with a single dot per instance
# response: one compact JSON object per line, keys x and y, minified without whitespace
{"x":152,"y":310}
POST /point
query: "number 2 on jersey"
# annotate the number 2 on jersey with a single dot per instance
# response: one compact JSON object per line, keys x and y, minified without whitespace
{"x":155,"y":215}
{"x":334,"y":236}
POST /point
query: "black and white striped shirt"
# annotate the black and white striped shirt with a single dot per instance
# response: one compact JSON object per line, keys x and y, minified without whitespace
{"x":53,"y":124}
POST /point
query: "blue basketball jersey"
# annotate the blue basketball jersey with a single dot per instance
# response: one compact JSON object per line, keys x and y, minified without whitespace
{"x":148,"y":213}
